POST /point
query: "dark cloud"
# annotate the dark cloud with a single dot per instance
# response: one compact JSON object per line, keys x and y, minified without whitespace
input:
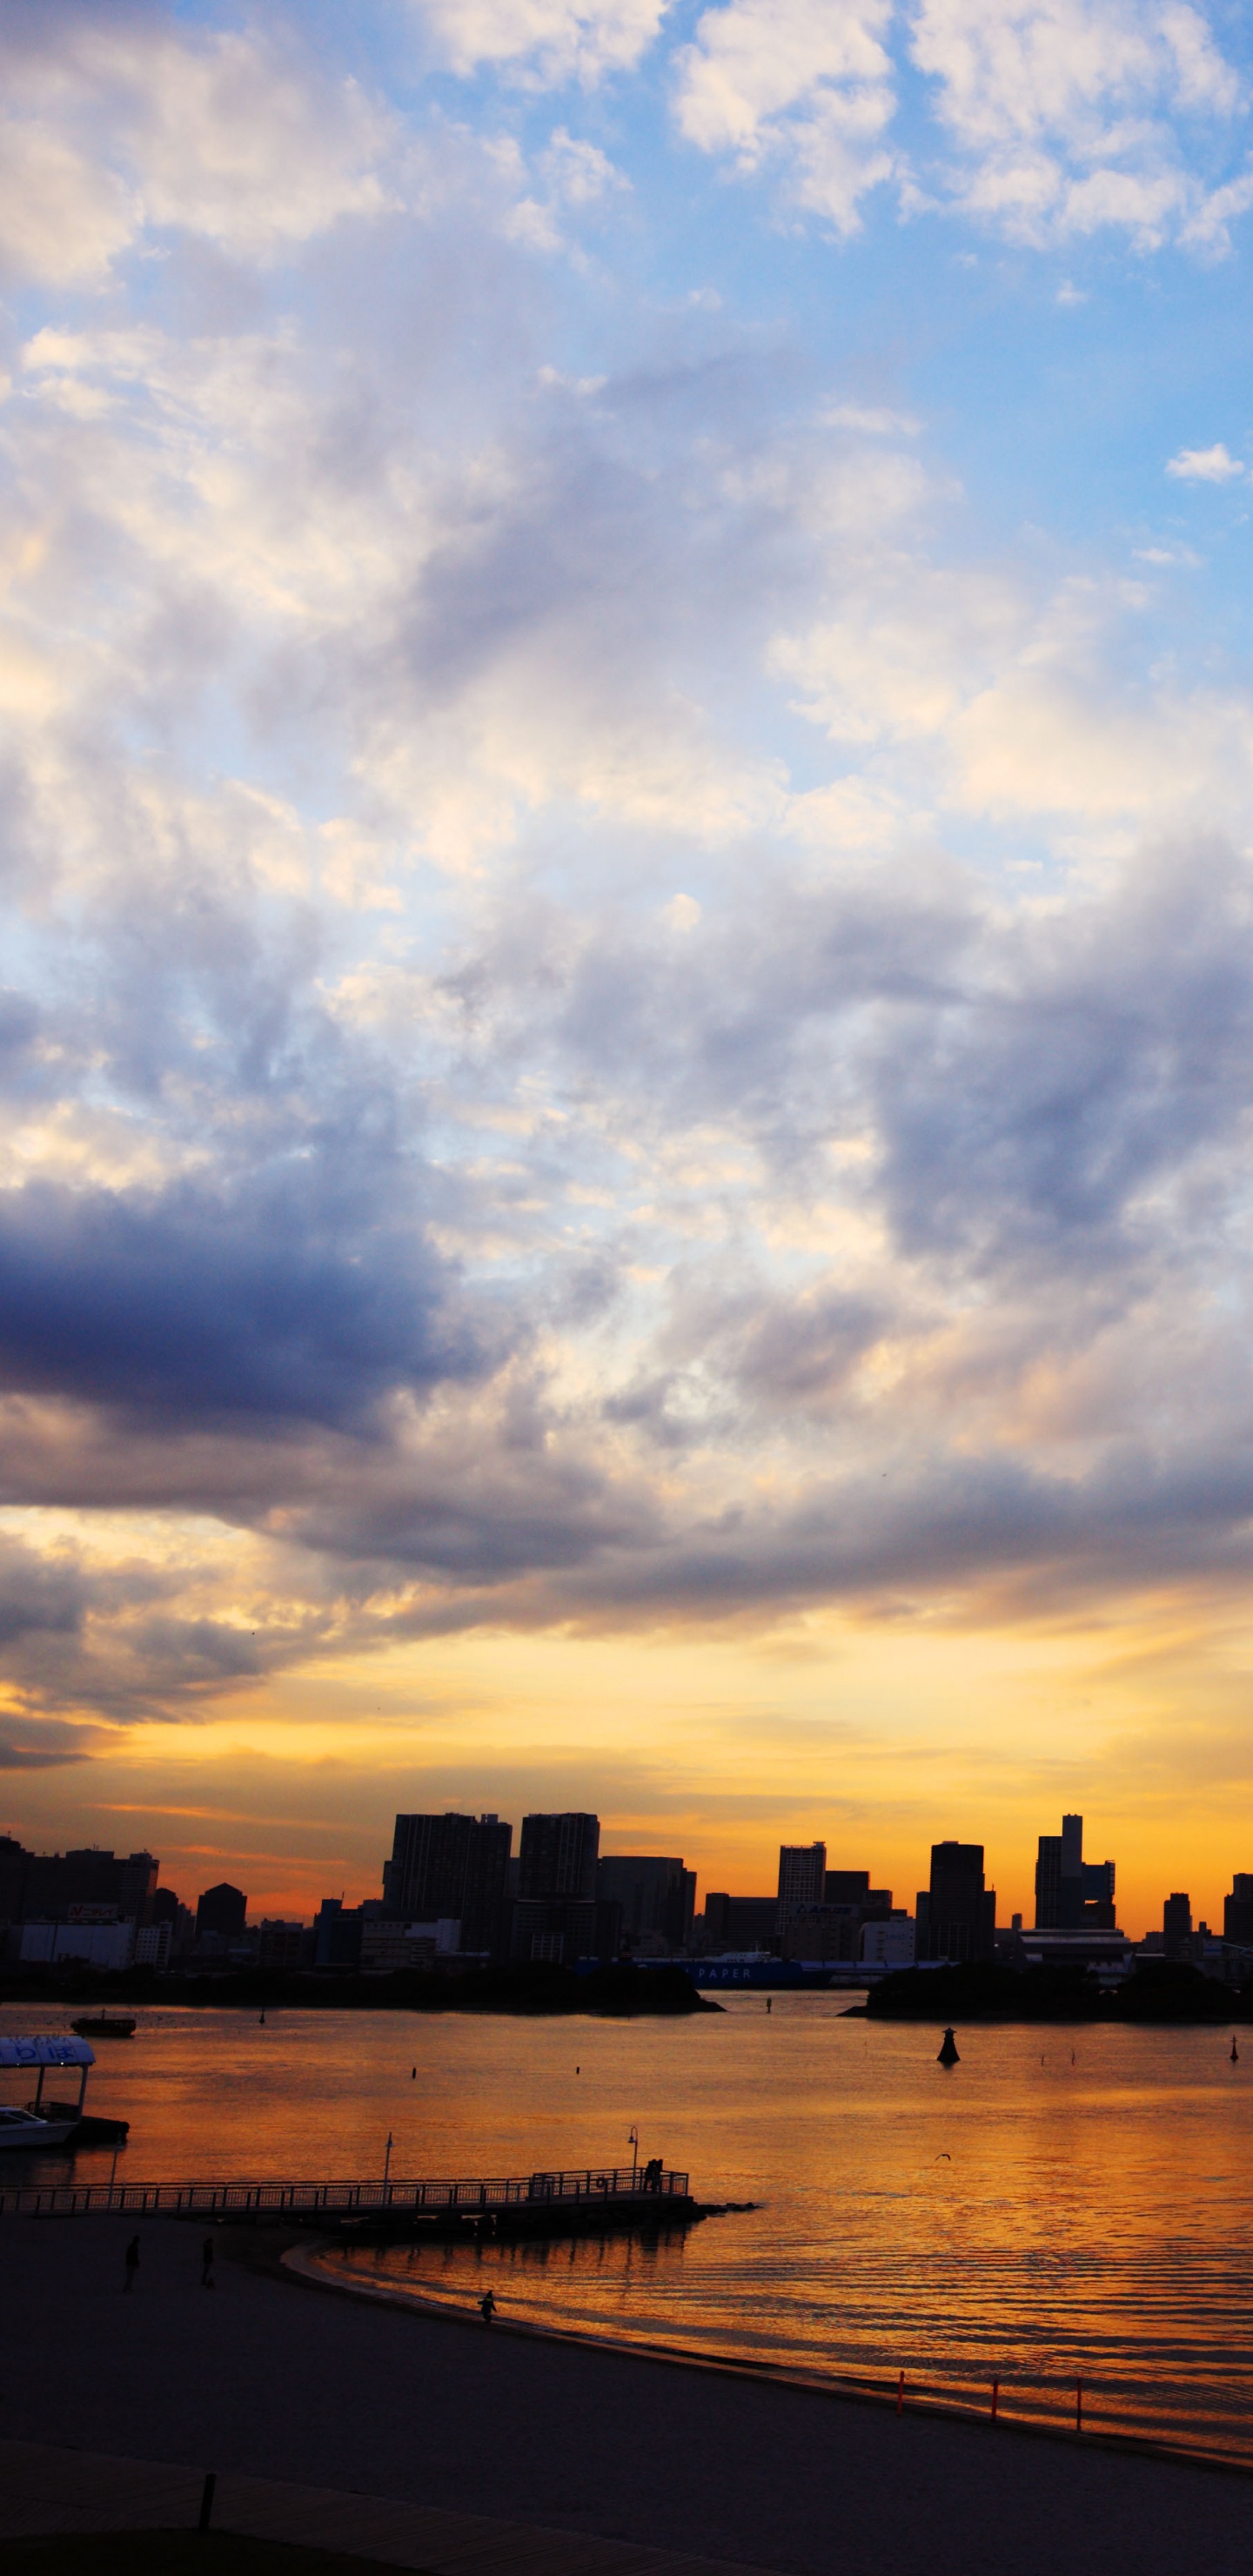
{"x":278,"y":1299}
{"x":43,"y":1743}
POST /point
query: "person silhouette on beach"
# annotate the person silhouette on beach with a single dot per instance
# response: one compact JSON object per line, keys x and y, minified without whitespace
{"x":487,"y":2307}
{"x":132,"y":2263}
{"x":206,"y":2264}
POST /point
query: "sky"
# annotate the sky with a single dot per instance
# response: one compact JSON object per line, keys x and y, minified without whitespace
{"x":626,"y":1005}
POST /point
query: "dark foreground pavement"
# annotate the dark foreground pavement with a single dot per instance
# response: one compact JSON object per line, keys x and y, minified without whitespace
{"x":278,"y":2380}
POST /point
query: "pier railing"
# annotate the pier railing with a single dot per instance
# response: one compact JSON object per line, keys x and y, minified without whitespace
{"x":599,"y":2185}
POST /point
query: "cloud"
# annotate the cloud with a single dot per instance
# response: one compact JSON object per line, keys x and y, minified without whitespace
{"x":1073,"y":116}
{"x":42,"y":1743}
{"x":800,"y":84}
{"x":1205,"y":465}
{"x":114,"y":128}
{"x":288,"y":1300}
{"x":543,"y":42}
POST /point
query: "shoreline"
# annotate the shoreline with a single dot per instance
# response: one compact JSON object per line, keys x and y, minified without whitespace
{"x":301,"y":2264}
{"x":689,"y":2455}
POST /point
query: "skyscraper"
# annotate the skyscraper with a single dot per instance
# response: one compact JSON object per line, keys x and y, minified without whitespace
{"x":956,"y":1914}
{"x":452,"y":1867}
{"x":554,"y":1918}
{"x":1176,"y":1926}
{"x":1238,"y":1910}
{"x":1071,"y":1894}
{"x":802,"y":1877}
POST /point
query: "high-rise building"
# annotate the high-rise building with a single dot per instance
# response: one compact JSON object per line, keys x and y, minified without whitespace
{"x":450,"y":1868}
{"x":1176,"y":1926}
{"x":657,"y":1896}
{"x":1238,"y":1910}
{"x":554,"y":1918}
{"x":956,"y":1915}
{"x":557,"y":1857}
{"x":802,"y":1876}
{"x":1071,"y":1894}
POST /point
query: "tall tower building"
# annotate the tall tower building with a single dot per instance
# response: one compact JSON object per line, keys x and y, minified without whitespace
{"x":956,"y":1914}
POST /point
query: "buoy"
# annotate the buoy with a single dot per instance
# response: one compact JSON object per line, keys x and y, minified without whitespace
{"x":1235,"y":2053}
{"x":948,"y":2051}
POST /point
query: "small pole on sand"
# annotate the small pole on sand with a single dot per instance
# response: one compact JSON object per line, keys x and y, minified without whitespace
{"x":1078,"y":2406}
{"x":206,"y":2500}
{"x":900,"y":2393}
{"x":112,"y":2176}
{"x":996,"y":2390}
{"x":387,"y":2160}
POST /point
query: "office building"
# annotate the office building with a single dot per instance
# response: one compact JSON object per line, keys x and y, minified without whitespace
{"x":450,"y":1868}
{"x":557,"y":1857}
{"x":1177,"y":1926}
{"x":656,"y":1895}
{"x":554,"y":1917}
{"x":1071,"y":1894}
{"x":802,"y":1876}
{"x":222,"y":1910}
{"x":956,"y":1914}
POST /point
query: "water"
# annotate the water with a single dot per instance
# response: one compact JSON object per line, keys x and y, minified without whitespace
{"x":1062,"y":2205}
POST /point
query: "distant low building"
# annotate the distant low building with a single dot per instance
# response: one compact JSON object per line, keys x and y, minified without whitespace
{"x":49,"y":1887}
{"x":222,"y":1909}
{"x":386,"y":1946}
{"x":106,"y":1946}
{"x":281,"y":1944}
{"x":337,"y":1934}
{"x":889,"y":1942}
{"x":740,"y":1923}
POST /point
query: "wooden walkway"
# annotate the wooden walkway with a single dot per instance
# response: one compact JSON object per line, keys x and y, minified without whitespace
{"x":44,"y":2491}
{"x":601,"y":2186}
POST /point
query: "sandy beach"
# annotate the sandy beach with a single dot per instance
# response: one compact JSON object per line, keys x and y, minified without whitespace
{"x":275,"y":2378}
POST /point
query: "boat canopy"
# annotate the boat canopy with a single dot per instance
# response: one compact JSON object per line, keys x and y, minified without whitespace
{"x":54,"y":2051}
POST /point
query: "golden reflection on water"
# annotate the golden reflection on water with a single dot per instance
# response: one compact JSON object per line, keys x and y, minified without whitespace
{"x":1061,"y":2205}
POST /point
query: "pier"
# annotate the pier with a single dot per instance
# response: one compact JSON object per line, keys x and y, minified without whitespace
{"x":548,"y":2203}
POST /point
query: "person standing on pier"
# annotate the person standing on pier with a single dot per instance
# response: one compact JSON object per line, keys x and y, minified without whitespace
{"x":487,"y":2306}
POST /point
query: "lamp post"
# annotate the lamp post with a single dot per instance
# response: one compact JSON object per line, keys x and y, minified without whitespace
{"x":387,"y":2164}
{"x":633,"y":2141}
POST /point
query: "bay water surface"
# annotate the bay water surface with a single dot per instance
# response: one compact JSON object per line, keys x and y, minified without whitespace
{"x":1063,"y":2205}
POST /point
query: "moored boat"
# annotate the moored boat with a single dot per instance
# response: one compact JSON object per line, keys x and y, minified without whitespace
{"x":105,"y":2025}
{"x":31,"y":2133}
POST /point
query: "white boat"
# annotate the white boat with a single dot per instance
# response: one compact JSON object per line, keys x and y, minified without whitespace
{"x":30,"y":2131}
